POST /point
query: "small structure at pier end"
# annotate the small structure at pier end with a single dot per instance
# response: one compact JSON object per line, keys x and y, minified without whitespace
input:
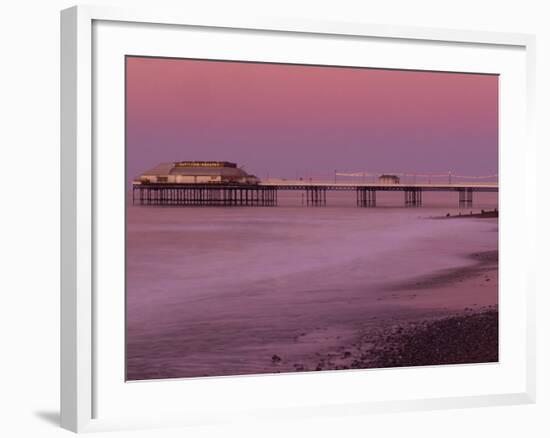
{"x":388,"y":179}
{"x":197,"y":172}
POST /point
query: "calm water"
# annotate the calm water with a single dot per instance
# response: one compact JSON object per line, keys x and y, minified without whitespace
{"x":217,"y":291}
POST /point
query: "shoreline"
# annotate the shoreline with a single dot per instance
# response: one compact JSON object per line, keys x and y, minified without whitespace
{"x":434,"y":323}
{"x":485,"y":262}
{"x":439,"y":335}
{"x":466,"y":337}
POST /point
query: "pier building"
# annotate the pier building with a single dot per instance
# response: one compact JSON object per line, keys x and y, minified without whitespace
{"x":388,"y":179}
{"x":197,"y":172}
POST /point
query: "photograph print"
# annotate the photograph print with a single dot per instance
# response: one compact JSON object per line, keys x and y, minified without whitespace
{"x":285,"y":218}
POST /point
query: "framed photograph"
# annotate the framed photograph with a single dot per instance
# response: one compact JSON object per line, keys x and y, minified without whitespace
{"x":267,"y":218}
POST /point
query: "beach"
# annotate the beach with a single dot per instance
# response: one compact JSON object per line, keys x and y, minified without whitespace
{"x":232,"y":291}
{"x":456,"y":336}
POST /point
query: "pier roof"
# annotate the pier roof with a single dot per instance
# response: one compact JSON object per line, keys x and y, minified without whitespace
{"x":223,"y":171}
{"x":178,"y":169}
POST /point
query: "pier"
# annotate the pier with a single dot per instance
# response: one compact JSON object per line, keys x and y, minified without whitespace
{"x":264,"y":193}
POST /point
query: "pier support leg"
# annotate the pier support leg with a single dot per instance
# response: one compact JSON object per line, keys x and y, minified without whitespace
{"x":465,"y":197}
{"x":413,"y":197}
{"x":316,"y":196}
{"x":366,"y":197}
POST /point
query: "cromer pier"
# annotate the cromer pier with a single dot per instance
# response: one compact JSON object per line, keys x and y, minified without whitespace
{"x":223,"y":184}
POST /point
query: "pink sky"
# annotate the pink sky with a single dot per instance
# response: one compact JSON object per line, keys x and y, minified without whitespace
{"x":289,"y":120}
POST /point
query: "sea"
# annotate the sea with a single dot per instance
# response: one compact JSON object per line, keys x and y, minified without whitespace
{"x":217,"y":291}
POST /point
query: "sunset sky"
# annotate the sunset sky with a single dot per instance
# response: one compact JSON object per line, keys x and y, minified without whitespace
{"x":308,"y":121}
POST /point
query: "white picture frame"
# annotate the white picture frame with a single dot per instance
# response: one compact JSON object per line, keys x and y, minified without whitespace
{"x":80,"y":168}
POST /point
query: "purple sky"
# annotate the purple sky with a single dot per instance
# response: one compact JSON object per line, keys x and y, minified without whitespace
{"x":289,"y":120}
